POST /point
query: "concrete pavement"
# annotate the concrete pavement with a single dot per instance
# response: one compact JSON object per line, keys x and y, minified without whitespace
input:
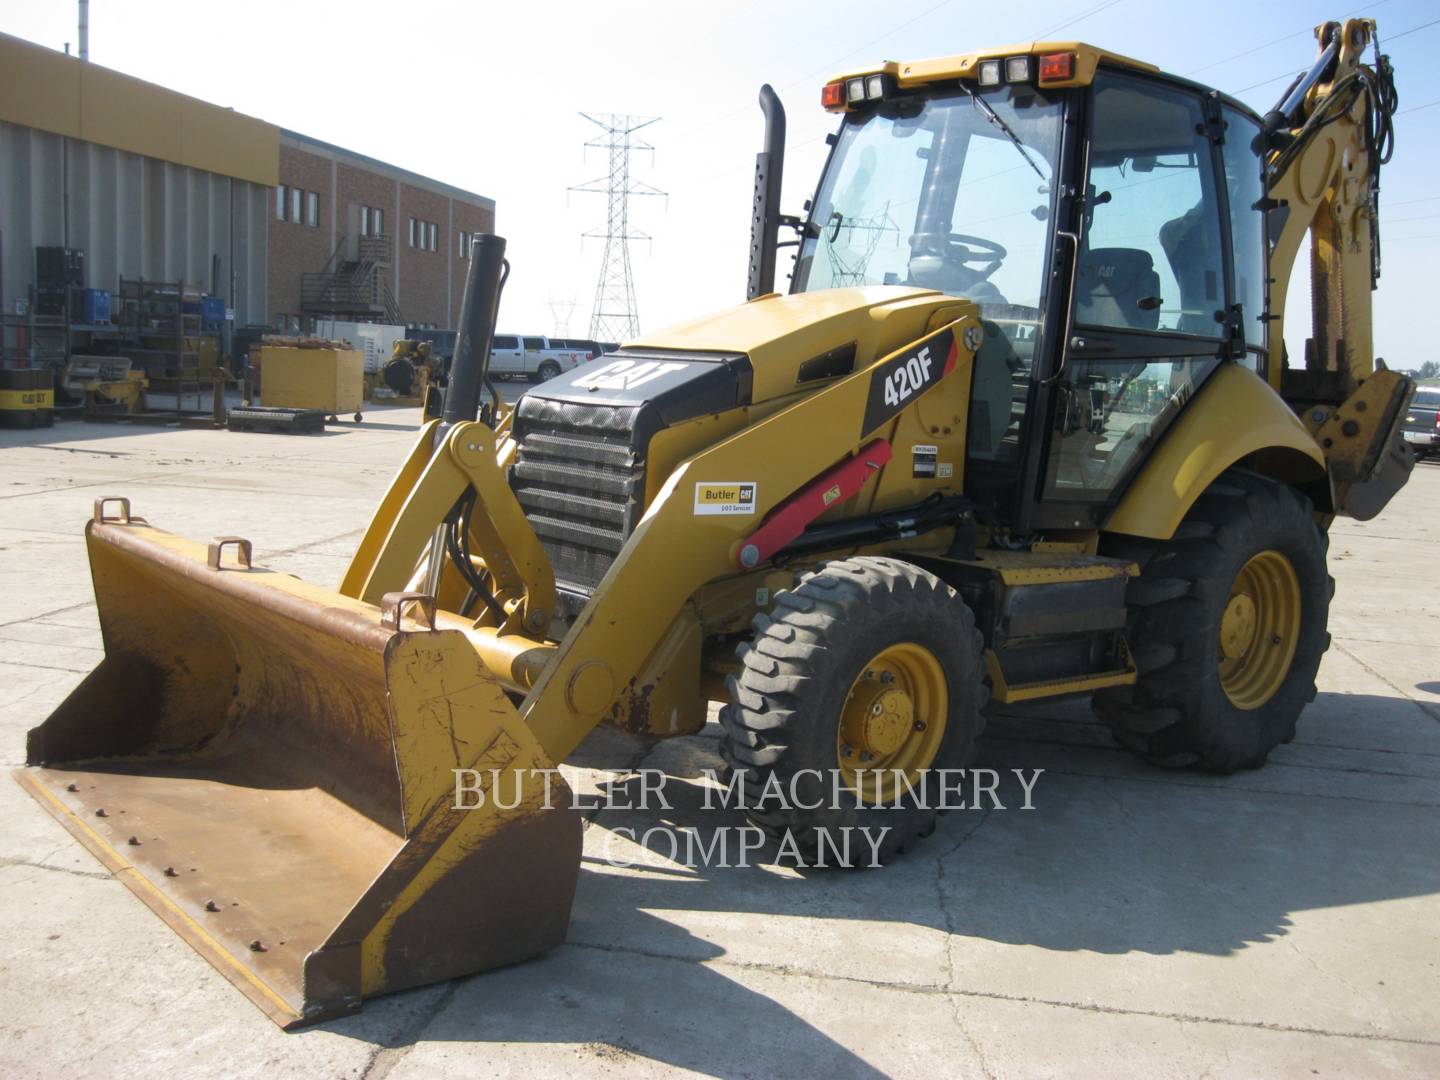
{"x":1136,"y":922}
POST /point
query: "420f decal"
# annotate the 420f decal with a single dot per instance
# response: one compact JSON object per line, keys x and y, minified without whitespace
{"x":900,"y":379}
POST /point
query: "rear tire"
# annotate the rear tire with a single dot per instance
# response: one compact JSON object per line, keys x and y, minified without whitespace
{"x":547,"y":371}
{"x":891,"y":633}
{"x":1211,"y":618}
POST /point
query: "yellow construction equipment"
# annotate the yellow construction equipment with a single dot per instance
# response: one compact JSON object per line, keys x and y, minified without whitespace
{"x":410,"y":377}
{"x":1062,"y":452}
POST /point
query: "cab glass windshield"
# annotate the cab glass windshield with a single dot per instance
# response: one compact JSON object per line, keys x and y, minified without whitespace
{"x":951,"y":194}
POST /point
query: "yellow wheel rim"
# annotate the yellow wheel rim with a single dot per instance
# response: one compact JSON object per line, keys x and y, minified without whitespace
{"x":1259,"y":630}
{"x":893,"y":722}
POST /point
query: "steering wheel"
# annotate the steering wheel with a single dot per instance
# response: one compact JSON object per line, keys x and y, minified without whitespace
{"x":960,"y":250}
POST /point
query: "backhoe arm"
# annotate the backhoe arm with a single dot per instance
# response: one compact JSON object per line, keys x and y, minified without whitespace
{"x":1326,"y":141}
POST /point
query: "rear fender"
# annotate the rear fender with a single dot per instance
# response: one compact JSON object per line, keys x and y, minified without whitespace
{"x":1235,"y":419}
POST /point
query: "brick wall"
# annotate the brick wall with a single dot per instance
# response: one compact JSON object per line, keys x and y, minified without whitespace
{"x":427,"y":284}
{"x":467,"y":219}
{"x":424,"y":274}
{"x":296,"y":247}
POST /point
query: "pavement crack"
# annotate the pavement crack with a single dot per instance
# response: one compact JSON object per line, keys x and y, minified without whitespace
{"x":988,"y":995}
{"x":1424,"y":707}
{"x":48,"y":614}
{"x":1222,"y":788}
{"x":101,"y":875}
{"x":392,"y":1051}
{"x":954,"y":1001}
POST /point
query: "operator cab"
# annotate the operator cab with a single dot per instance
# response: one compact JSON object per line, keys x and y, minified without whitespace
{"x":1107,"y":225}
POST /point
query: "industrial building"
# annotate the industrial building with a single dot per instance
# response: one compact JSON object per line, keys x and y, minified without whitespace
{"x":152,"y":186}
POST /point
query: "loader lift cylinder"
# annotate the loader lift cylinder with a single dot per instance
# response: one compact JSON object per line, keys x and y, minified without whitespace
{"x":477,"y":326}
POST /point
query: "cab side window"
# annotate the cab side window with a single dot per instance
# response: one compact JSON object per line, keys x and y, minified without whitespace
{"x":1149,"y":287}
{"x":1152,"y":258}
{"x":1245,"y":186}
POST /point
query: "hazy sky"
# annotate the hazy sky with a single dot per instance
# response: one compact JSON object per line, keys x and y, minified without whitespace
{"x":487,"y":96}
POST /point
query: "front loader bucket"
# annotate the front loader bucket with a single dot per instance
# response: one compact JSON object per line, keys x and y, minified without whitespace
{"x":270,"y":767}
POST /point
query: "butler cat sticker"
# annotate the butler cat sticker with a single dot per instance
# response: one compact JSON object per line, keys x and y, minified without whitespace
{"x":725,"y":498}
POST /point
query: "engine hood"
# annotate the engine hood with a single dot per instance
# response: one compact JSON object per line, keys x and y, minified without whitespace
{"x":793,"y":341}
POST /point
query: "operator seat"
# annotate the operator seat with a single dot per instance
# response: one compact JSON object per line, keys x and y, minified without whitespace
{"x":1110,"y":285}
{"x":1190,"y":243}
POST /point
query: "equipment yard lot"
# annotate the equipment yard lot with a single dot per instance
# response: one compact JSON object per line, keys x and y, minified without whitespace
{"x":1137,"y":921}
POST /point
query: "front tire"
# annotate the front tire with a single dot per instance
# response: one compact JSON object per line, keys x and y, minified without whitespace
{"x":869,"y":665}
{"x":1227,"y":626}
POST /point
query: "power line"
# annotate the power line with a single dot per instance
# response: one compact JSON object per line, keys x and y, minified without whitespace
{"x":1308,"y":31}
{"x":1071,"y":22}
{"x":1417,"y":108}
{"x":1291,"y":73}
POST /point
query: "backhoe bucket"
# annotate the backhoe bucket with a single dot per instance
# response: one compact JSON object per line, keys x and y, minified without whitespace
{"x":270,"y":766}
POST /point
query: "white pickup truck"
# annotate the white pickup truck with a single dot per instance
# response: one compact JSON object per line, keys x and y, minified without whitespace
{"x":514,"y":356}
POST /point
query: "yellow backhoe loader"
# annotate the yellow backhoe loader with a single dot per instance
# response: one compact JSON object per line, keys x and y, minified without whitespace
{"x":1022,"y":426}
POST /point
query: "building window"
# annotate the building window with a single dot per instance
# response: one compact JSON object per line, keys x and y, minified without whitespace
{"x":295,"y":194}
{"x":312,"y":209}
{"x":364,"y":221}
{"x":463,"y":242}
{"x":280,"y":196}
{"x":424,"y":235}
{"x":377,"y":219}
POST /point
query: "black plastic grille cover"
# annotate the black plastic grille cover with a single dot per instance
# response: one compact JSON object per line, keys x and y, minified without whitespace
{"x":582,"y":440}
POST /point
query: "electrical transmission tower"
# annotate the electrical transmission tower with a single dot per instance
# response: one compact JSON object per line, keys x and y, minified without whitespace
{"x":560,"y":311}
{"x":614,"y":316}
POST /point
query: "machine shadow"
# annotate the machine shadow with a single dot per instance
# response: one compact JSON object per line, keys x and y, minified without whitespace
{"x":1115,"y":857}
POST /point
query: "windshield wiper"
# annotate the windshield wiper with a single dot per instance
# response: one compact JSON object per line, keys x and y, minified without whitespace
{"x":994,"y":118}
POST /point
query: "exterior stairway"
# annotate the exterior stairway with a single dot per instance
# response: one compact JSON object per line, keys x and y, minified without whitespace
{"x":356,"y":289}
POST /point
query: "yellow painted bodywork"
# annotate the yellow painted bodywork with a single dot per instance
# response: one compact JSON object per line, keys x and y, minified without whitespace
{"x":1003,"y":693}
{"x":641,"y":592}
{"x":427,"y":487}
{"x":917,"y":73}
{"x":49,"y":91}
{"x":778,"y":333}
{"x":1050,"y":566}
{"x":329,"y":379}
{"x":26,"y":400}
{"x":1235,"y":414}
{"x":1323,"y":185}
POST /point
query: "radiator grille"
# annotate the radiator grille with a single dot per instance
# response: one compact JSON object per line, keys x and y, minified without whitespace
{"x":581,"y":486}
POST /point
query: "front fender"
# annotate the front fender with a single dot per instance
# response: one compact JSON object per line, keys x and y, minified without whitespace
{"x":1234,"y":415}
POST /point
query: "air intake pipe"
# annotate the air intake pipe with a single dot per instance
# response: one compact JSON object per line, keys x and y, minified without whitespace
{"x":470,"y":368}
